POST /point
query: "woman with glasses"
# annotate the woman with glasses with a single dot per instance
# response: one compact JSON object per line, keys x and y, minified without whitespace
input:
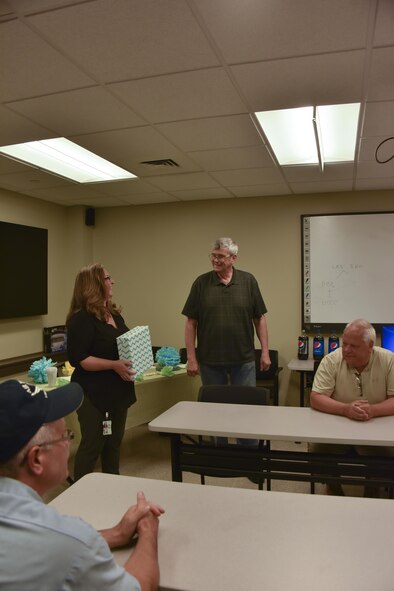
{"x":93,"y":324}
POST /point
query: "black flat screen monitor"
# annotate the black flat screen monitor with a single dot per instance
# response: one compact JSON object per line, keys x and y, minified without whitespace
{"x":24,"y":270}
{"x":388,"y":338}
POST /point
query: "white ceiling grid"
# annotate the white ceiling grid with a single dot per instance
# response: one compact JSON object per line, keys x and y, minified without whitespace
{"x":136,"y":81}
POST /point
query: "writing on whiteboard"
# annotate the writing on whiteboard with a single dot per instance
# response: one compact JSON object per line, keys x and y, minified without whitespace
{"x":347,"y":268}
{"x":331,"y":289}
{"x":329,"y":286}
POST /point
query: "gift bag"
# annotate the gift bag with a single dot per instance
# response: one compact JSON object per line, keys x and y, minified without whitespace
{"x":135,"y":346}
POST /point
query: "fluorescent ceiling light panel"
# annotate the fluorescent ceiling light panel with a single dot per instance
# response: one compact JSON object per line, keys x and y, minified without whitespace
{"x":291,"y":135}
{"x":338,"y":126}
{"x":66,"y":159}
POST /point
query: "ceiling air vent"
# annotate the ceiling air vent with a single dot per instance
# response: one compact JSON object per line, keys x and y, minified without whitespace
{"x":162,"y":162}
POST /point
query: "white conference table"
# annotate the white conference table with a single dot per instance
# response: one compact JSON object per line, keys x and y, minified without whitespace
{"x":271,"y":423}
{"x":228,"y":539}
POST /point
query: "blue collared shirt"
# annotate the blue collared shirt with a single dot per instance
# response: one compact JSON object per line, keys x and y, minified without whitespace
{"x":41,"y":549}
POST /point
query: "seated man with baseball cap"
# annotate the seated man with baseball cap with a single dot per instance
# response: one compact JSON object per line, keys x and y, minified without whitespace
{"x":41,"y":549}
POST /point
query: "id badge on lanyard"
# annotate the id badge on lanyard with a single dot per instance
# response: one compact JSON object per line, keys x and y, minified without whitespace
{"x":107,"y":425}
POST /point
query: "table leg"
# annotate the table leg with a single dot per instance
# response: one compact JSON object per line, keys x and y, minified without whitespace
{"x":302,"y":387}
{"x":268,"y":448}
{"x":175,"y":458}
{"x":304,"y":380}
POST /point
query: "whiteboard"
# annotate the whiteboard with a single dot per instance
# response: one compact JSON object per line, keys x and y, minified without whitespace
{"x":348,"y":269}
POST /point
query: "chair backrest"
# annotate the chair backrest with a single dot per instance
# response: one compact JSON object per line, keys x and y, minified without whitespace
{"x":154,"y":351}
{"x":183,"y":354}
{"x":233,"y":394}
{"x":316,"y":364}
{"x":272,"y":371}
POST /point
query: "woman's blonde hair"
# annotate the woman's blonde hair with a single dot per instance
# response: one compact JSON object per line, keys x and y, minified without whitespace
{"x":90,"y":294}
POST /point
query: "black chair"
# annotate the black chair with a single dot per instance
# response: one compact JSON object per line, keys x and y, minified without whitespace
{"x":310,"y":375}
{"x":231,"y":395}
{"x":154,"y":351}
{"x":183,"y":354}
{"x":316,"y":366}
{"x":270,"y":378}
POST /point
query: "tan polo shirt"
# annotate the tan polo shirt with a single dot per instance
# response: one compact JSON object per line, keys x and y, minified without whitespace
{"x":335,"y":378}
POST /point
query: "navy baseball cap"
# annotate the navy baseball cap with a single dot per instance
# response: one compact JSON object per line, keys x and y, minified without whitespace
{"x":24,"y":408}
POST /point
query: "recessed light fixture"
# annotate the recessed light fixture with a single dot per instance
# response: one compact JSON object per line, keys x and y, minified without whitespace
{"x":312,"y":135}
{"x":64,"y":158}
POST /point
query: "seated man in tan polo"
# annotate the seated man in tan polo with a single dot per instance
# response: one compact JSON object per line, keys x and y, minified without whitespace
{"x":355,"y":381}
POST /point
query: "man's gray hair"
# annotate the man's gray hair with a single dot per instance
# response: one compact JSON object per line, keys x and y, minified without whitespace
{"x":226,"y":243}
{"x":369,"y":333}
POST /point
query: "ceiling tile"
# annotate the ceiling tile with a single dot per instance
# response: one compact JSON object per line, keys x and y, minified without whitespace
{"x":29,"y":7}
{"x":78,"y":111}
{"x":179,"y":80}
{"x":72,"y":194}
{"x":261,"y":190}
{"x":379,"y":119}
{"x":15,"y":129}
{"x":189,"y":95}
{"x":247,"y":176}
{"x":8,"y":165}
{"x":381,"y":81}
{"x":310,"y":173}
{"x":322,"y":187}
{"x":313,"y":80}
{"x":201,"y":194}
{"x":197,"y":180}
{"x":146,"y":198}
{"x":99,"y":201}
{"x":384,"y":28}
{"x":31,"y":179}
{"x":129,"y":147}
{"x":216,"y":132}
{"x":22,"y":76}
{"x":137,"y":39}
{"x":126,"y":188}
{"x":377,"y":184}
{"x":281,"y":28}
{"x":380,"y":147}
{"x":248,"y":157}
{"x":375,"y":170}
{"x":51,"y":198}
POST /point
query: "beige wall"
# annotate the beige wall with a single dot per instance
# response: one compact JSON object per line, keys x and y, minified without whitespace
{"x":154,"y":252}
{"x":69,"y":247}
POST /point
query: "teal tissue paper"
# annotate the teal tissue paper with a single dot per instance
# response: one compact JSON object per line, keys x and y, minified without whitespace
{"x":38,"y":372}
{"x":168,"y":356}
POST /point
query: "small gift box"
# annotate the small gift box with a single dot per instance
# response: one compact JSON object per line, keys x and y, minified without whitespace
{"x":55,"y":339}
{"x":135,"y":346}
